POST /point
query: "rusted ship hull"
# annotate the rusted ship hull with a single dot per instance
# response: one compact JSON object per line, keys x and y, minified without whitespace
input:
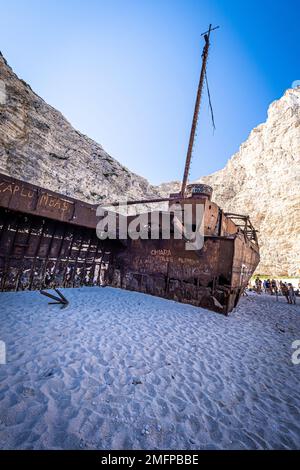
{"x":213,"y":278}
{"x":49,"y":240}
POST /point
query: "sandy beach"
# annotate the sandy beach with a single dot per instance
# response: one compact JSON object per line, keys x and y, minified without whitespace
{"x":122,"y":370}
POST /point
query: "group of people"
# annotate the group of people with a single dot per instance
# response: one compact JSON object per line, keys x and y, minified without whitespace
{"x":275,"y":287}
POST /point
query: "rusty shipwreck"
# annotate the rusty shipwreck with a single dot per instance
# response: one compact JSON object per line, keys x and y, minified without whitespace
{"x":49,"y":240}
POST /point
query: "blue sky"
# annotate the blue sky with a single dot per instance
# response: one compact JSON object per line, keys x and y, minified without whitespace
{"x":126,"y":72}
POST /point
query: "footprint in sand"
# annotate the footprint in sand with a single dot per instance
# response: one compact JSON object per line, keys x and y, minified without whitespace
{"x":28,"y":392}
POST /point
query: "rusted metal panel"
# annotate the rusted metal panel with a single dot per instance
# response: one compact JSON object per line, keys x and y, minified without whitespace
{"x":28,"y":198}
{"x":164,"y":268}
{"x":244,"y":263}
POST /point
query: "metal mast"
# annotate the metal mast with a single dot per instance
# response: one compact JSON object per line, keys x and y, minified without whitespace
{"x":196,"y":110}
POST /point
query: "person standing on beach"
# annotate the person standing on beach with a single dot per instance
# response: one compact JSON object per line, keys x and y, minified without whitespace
{"x":265,"y":286}
{"x":285,"y":292}
{"x":257,"y":285}
{"x":292,"y":296}
{"x":273,"y":287}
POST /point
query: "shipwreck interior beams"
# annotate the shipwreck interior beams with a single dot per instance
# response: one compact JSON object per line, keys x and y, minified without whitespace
{"x":37,"y":253}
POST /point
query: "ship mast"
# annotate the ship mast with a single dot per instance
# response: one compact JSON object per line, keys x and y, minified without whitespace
{"x":196,"y":110}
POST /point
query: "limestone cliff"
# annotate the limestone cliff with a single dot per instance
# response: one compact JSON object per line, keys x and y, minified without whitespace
{"x":39,"y":145}
{"x":263,"y":180}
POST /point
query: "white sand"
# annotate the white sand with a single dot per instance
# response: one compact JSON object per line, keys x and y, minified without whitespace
{"x":121,"y":370}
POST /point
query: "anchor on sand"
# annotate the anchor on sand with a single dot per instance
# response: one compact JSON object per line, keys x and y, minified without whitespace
{"x":61,"y":300}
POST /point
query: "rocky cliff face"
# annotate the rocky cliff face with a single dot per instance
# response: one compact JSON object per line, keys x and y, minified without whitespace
{"x":263,"y":180}
{"x":37,"y":144}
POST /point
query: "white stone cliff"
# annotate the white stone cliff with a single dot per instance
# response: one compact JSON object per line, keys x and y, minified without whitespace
{"x":37,"y":144}
{"x":263,"y":180}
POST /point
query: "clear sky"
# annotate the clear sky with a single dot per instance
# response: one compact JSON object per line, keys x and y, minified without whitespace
{"x":125,"y":72}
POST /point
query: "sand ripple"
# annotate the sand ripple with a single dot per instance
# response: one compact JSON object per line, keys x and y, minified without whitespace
{"x":122,"y":370}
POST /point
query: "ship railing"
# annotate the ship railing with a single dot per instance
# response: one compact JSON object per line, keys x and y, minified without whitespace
{"x":245,"y":226}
